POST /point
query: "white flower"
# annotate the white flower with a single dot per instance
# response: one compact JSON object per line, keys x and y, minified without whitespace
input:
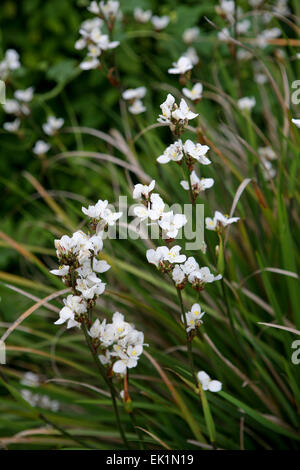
{"x":12,"y":59}
{"x":207,"y":383}
{"x":89,"y":63}
{"x":143,"y":16}
{"x":197,"y":151}
{"x":94,"y":8}
{"x":15,"y":107}
{"x":100,"y":266}
{"x":224,"y":35}
{"x":30,"y":379}
{"x":197,"y":184}
{"x":24,"y":95}
{"x":219,"y":220}
{"x":202,"y":276}
{"x":267,"y":152}
{"x":134,"y":93}
{"x":96,"y":329}
{"x":171,"y":223}
{"x":62,"y":271}
{"x":166,"y":109}
{"x":109,"y":9}
{"x":173,"y":255}
{"x":73,"y":305}
{"x":260,"y":78}
{"x":182,"y":66}
{"x":157,"y":256}
{"x":192,"y":55}
{"x":268,"y":170}
{"x":227,"y":7}
{"x":190,"y":265}
{"x":183,"y":112}
{"x":40,"y":147}
{"x":128,"y":359}
{"x":52,"y":125}
{"x":246,"y":103}
{"x":195,"y":93}
{"x":141,"y":190}
{"x":90,"y":286}
{"x":12,"y":126}
{"x":178,"y":275}
{"x":243,"y":27}
{"x":96,"y":211}
{"x":102,"y":40}
{"x":141,"y":212}
{"x":190,"y":35}
{"x":172,"y":153}
{"x":137,"y":107}
{"x":157,"y":206}
{"x":193,"y":317}
{"x":296,"y":122}
{"x":160,"y":22}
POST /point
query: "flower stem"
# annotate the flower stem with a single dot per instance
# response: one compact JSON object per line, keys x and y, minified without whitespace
{"x":189,"y":343}
{"x":108,"y":382}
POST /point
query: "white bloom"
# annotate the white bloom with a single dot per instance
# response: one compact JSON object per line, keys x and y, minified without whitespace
{"x":89,"y":63}
{"x":260,"y":78}
{"x":178,"y":275}
{"x":160,"y":22}
{"x":30,"y":379}
{"x":207,"y":383}
{"x":219,"y":220}
{"x":15,"y":107}
{"x":137,"y":107}
{"x":24,"y":95}
{"x":94,"y":8}
{"x":109,"y":8}
{"x":90,"y":286}
{"x":73,"y":305}
{"x":183,"y":113}
{"x":96,"y":211}
{"x":141,"y":212}
{"x":192,"y":55}
{"x":157,"y":206}
{"x":62,"y":271}
{"x":96,"y":329}
{"x":52,"y":125}
{"x":173,"y":255}
{"x":268,"y":170}
{"x":246,"y":103}
{"x":203,"y":275}
{"x":227,"y":7}
{"x":224,"y":35}
{"x":100,"y":266}
{"x":197,"y":151}
{"x":190,"y":265}
{"x":12,"y":59}
{"x":197,"y":184}
{"x":12,"y":126}
{"x":267,"y":153}
{"x":182,"y":66}
{"x":157,"y":256}
{"x":128,"y":359}
{"x":172,"y":153}
{"x":143,"y":16}
{"x":171,"y":223}
{"x":242,"y":54}
{"x":134,"y":93}
{"x":166,"y":109}
{"x":296,"y":122}
{"x":141,"y":190}
{"x":190,"y":35}
{"x":193,"y":317}
{"x":195,"y":93}
{"x":243,"y":27}
{"x":40,"y":147}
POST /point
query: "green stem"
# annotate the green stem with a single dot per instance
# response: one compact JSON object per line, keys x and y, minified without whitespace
{"x":107,"y":381}
{"x":189,"y":343}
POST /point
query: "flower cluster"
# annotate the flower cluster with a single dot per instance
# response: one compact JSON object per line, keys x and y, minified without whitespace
{"x":32,"y":380}
{"x":92,"y":37}
{"x":153,"y":208}
{"x":180,"y":268}
{"x":134,"y":97}
{"x":189,"y":151}
{"x":80,"y":265}
{"x":120,"y":344}
{"x":18,"y":106}
{"x":176,"y":116}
